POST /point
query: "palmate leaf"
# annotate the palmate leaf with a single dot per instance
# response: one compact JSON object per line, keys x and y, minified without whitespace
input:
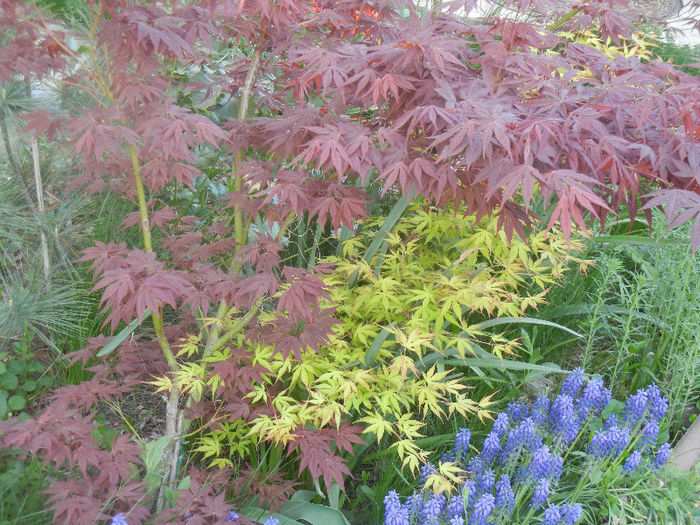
{"x":680,"y":206}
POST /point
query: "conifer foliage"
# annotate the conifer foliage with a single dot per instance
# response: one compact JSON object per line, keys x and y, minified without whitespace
{"x":328,"y":98}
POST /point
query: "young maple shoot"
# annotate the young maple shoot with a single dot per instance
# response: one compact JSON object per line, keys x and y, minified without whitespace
{"x":499,"y":116}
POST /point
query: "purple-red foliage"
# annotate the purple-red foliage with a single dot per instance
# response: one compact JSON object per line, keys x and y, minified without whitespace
{"x":270,"y":489}
{"x":105,"y":476}
{"x":203,"y":503}
{"x":354,"y":92}
{"x":317,"y":455}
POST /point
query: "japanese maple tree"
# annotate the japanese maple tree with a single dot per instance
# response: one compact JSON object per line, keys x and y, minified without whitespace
{"x":328,"y":98}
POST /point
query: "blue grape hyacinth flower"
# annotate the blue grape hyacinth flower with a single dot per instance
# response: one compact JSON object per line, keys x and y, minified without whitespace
{"x":563,"y":420}
{"x":482,"y":510}
{"x":491,"y":448}
{"x":610,"y":442}
{"x":540,"y":409}
{"x":544,"y":465}
{"x":571,"y":513}
{"x":632,"y":461}
{"x":461,"y":447}
{"x":636,"y":407}
{"x":119,"y":519}
{"x":572,"y":383}
{"x":394,"y":512}
{"x":523,"y":459}
{"x":662,"y":455}
{"x":455,"y":507}
{"x":542,"y":490}
{"x":505,"y":498}
{"x":594,"y":399}
{"x":552,"y":515}
{"x":432,"y":509}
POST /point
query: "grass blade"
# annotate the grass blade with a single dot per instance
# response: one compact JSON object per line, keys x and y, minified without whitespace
{"x":589,"y":309}
{"x":373,"y":350}
{"x":121,"y":336}
{"x":523,"y":320}
{"x":635,"y":240}
{"x":379,"y":238}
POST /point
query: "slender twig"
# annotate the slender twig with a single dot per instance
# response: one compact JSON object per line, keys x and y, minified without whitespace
{"x":114,"y":405}
{"x":63,"y":47}
{"x":173,"y":414}
{"x":85,"y":89}
{"x":91,"y":48}
{"x":239,"y":228}
{"x":148,"y":248}
{"x":95,"y":73}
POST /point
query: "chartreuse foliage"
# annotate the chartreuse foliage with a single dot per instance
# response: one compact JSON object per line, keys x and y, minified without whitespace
{"x":638,"y":45}
{"x":419,"y":300}
{"x":439,"y":268}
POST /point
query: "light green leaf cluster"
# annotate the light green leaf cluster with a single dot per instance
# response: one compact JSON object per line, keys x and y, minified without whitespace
{"x":638,"y":45}
{"x":418,"y":300}
{"x":439,"y":269}
{"x":226,"y":440}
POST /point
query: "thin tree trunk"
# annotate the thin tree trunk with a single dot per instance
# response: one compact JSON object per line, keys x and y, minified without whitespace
{"x":173,"y":417}
{"x":41,"y":208}
{"x":173,"y":429}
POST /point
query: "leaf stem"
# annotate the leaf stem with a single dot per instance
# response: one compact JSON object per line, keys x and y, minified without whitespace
{"x":568,"y":16}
